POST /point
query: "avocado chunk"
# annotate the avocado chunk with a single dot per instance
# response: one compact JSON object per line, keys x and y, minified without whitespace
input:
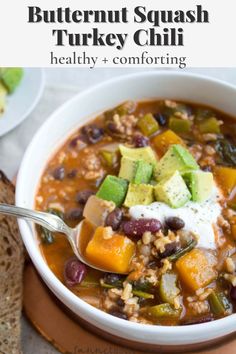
{"x":139,"y":194}
{"x":11,"y":77}
{"x":3,"y":94}
{"x":127,"y":168}
{"x":176,"y":158}
{"x":200,"y":184}
{"x":145,"y":153}
{"x":113,"y":189}
{"x":172,"y":190}
{"x":143,"y":172}
{"x":135,"y":171}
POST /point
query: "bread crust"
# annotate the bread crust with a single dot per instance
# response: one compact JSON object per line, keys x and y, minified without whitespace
{"x":11,"y":271}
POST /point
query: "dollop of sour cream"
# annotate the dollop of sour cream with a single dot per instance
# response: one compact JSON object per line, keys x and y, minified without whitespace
{"x":198,"y":217}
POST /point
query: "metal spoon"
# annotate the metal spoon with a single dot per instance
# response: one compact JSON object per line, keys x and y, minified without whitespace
{"x":52,"y":223}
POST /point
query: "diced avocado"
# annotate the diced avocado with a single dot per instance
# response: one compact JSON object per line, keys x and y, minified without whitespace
{"x":135,"y":171}
{"x":113,"y":189}
{"x":143,"y":172}
{"x":172,"y":191}
{"x":11,"y":78}
{"x":180,"y":125}
{"x":176,"y":158}
{"x":139,"y":194}
{"x":146,"y":154}
{"x":127,"y":168}
{"x":148,"y":124}
{"x":3,"y":94}
{"x":200,"y":184}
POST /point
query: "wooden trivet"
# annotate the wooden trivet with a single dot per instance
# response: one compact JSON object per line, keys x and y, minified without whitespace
{"x":71,"y":335}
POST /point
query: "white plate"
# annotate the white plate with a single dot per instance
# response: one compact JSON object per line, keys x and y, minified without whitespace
{"x":21,"y":103}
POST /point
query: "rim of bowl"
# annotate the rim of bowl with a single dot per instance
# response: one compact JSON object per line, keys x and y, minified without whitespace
{"x":219,"y":327}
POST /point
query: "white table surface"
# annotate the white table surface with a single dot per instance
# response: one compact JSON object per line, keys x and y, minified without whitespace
{"x":12,"y":146}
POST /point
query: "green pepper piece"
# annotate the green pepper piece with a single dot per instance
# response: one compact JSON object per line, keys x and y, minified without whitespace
{"x":180,"y":125}
{"x":203,"y":113}
{"x":127,"y":107}
{"x":163,"y":310}
{"x":143,"y":294}
{"x":218,"y":303}
{"x":190,"y":245}
{"x":209,"y":125}
{"x":109,"y":154}
{"x":109,"y":157}
{"x":148,"y":124}
{"x":168,"y":289}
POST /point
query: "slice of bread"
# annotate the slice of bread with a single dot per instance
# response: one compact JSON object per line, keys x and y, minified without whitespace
{"x":11,"y":269}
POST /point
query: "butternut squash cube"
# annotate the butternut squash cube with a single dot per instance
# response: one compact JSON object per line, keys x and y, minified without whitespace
{"x":163,"y":141}
{"x":226,"y":178}
{"x":110,"y":251}
{"x":197,"y":268}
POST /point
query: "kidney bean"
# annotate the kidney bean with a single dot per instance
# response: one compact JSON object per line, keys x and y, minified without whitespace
{"x":93,"y":133}
{"x":114,"y":219}
{"x":119,"y":315}
{"x":233,"y":293}
{"x":160,"y":118}
{"x":170,"y":248}
{"x":140,"y":141}
{"x":139,"y":226}
{"x":174,"y":223}
{"x":83,"y":196}
{"x":74,"y":272}
{"x":74,"y":214}
{"x":59,"y":173}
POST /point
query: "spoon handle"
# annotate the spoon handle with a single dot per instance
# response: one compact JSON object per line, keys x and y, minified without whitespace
{"x":49,"y":221}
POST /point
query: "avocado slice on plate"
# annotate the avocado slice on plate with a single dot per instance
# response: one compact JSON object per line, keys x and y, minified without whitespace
{"x":11,"y":78}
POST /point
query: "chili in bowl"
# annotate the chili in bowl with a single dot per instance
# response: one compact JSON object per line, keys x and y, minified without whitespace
{"x":154,"y":181}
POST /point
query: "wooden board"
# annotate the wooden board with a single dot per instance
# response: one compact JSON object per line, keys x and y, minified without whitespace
{"x":70,"y":335}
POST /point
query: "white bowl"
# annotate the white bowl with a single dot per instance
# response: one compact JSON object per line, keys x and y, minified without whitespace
{"x":79,"y":110}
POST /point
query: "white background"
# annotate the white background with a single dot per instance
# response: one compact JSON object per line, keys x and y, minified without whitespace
{"x":24,"y":44}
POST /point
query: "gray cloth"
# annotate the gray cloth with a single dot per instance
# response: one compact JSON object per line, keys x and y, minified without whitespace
{"x":13,"y":145}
